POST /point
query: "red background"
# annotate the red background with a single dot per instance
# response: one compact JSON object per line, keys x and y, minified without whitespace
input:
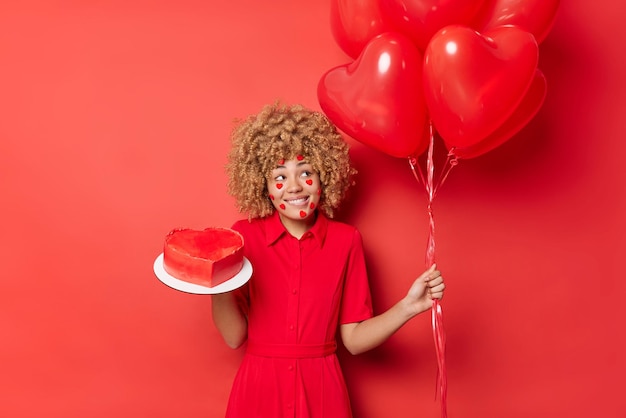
{"x":114,"y":118}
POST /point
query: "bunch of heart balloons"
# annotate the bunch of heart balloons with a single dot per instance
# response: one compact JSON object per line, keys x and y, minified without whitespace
{"x":468,"y":67}
{"x":465,"y":69}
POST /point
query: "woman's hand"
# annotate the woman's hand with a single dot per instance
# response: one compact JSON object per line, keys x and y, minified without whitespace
{"x":428,"y":286}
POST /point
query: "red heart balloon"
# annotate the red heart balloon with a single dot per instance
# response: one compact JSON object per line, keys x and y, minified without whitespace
{"x":527,"y":109}
{"x":421,"y":19}
{"x":534,"y":16}
{"x":473,"y":82}
{"x":354,"y":23}
{"x":378,"y":99}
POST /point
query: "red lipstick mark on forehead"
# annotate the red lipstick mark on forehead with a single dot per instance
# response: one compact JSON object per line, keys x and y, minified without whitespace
{"x":281,"y":161}
{"x":299,"y":157}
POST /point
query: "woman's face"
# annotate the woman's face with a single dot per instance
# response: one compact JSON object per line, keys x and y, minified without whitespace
{"x":295,"y":189}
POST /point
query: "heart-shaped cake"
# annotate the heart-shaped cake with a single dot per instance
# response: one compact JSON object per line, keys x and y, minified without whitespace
{"x":207,"y":257}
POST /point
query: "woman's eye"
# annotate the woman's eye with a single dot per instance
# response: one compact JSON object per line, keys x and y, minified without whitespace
{"x":279,"y":178}
{"x":306,"y":174}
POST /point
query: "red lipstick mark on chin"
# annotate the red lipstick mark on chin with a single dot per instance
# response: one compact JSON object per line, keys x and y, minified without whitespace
{"x":302,"y":214}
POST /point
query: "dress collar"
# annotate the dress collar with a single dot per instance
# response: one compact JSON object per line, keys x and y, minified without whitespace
{"x":274,"y":229}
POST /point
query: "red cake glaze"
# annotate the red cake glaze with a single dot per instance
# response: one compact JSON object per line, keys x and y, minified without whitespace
{"x":208,"y":257}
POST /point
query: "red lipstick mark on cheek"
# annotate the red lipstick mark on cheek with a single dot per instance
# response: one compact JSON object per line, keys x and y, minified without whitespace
{"x":309,"y":182}
{"x":302,"y":214}
{"x":279,"y":186}
{"x":282,"y":206}
{"x":272,"y":196}
{"x":299,"y":157}
{"x":319,"y":192}
{"x":312,"y":205}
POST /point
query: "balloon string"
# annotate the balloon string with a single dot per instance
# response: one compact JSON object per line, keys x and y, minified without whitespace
{"x":451,"y":162}
{"x":432,"y":187}
{"x":430,"y":166}
{"x":436,"y":311}
{"x":440,"y":348}
{"x":417,"y":170}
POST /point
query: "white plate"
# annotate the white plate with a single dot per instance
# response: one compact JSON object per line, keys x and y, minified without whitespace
{"x":231,"y":284}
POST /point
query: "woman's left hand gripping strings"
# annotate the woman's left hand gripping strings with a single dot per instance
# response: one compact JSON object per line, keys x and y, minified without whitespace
{"x":428,"y":286}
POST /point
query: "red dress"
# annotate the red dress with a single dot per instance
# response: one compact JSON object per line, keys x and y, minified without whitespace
{"x":299,"y":292}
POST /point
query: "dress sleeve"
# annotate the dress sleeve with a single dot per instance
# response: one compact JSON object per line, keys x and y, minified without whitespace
{"x":356,"y":303}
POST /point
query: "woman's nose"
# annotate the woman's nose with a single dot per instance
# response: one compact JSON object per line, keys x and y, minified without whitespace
{"x":293,"y":185}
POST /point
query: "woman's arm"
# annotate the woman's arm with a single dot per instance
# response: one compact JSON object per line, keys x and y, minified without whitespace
{"x":362,"y":336}
{"x":229,"y":319}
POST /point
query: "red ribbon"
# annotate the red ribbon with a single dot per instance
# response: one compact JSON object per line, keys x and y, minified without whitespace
{"x":432,"y":185}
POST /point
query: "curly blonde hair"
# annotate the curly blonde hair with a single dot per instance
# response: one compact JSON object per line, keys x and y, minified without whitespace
{"x":282,"y":132}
